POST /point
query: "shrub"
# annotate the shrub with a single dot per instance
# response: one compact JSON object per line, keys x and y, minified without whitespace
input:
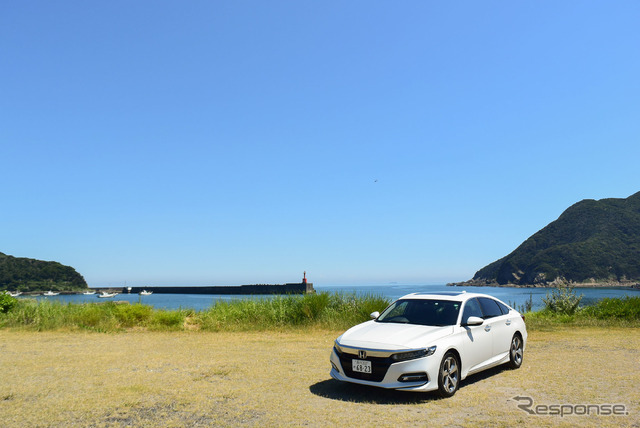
{"x":7,"y":302}
{"x":562,"y":300}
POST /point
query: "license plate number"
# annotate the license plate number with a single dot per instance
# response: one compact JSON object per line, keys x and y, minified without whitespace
{"x":361,"y":366}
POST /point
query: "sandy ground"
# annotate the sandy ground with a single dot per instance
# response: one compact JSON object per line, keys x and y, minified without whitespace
{"x":282,"y":379}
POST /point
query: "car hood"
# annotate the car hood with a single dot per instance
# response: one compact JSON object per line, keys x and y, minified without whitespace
{"x":392,"y":336}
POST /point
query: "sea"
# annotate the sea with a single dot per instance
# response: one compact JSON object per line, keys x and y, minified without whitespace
{"x":512,"y":296}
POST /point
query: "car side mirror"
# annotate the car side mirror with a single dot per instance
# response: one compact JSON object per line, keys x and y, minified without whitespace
{"x":374,"y":315}
{"x":473,"y":321}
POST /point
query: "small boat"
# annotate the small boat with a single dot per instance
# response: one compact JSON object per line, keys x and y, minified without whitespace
{"x":105,"y":294}
{"x":89,"y":293}
{"x":146,"y":293}
{"x":51,"y":293}
{"x":16,"y":294}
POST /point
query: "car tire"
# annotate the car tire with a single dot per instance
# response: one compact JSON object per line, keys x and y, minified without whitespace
{"x":449,"y":375}
{"x":516,"y":351}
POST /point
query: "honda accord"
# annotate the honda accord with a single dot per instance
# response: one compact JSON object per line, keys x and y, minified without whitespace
{"x":430,"y":342}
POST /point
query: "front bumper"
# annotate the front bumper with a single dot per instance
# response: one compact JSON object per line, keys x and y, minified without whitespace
{"x":387,"y":375}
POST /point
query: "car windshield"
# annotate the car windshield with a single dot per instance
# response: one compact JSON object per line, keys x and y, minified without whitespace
{"x":421,"y":312}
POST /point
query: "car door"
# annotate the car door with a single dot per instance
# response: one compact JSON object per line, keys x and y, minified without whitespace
{"x":477,"y":341}
{"x":499,"y":325}
{"x":505,"y":329}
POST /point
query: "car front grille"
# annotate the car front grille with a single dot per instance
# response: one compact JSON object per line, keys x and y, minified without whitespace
{"x":379,"y":367}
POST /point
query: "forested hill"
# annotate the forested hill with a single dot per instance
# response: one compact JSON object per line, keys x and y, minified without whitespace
{"x":23,"y":274}
{"x":592,"y":241}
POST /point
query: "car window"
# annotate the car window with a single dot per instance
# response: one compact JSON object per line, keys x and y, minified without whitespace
{"x":504,"y":308}
{"x":490,"y":307}
{"x":471,"y":309}
{"x":396,"y":310}
{"x":422,"y":312}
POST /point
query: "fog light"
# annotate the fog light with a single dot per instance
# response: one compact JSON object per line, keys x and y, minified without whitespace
{"x":334,"y":366}
{"x":413,"y":377}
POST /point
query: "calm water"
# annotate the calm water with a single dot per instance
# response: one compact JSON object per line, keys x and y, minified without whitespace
{"x":508,"y":295}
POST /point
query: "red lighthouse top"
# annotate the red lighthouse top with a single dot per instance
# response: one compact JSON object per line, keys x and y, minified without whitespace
{"x":304,"y":278}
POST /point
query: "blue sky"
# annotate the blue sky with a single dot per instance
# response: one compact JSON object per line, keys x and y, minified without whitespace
{"x":232,"y":142}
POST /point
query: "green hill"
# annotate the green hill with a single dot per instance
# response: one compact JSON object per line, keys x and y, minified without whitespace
{"x":23,"y":274}
{"x":592,"y":241}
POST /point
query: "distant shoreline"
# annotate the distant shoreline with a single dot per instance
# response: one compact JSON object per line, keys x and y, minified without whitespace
{"x":288,"y":288}
{"x":472,"y":283}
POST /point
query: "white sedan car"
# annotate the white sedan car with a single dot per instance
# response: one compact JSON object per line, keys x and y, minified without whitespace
{"x":428,"y":342}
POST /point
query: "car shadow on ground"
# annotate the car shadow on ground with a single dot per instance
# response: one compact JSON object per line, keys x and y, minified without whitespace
{"x":344,"y":391}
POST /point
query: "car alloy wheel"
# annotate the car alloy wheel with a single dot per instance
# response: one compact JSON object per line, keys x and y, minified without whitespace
{"x":516,"y":352}
{"x":449,"y":376}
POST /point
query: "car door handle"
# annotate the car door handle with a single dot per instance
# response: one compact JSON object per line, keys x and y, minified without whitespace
{"x":508,"y":322}
{"x":487,"y":327}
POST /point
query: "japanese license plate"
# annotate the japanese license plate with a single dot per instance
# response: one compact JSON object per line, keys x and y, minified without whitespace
{"x":361,"y":366}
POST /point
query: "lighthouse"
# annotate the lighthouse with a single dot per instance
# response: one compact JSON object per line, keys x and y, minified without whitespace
{"x":304,"y":277}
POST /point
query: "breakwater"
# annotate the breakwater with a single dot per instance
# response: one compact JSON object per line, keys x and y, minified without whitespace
{"x":290,"y":288}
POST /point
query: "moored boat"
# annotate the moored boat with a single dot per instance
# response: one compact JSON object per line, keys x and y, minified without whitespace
{"x":105,"y":294}
{"x":146,"y":293}
{"x":51,"y":293}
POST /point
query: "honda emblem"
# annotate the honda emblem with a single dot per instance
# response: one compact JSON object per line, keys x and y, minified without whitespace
{"x":362,"y":354}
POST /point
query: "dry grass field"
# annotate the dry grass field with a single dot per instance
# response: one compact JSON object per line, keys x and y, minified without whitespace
{"x":188,"y":379}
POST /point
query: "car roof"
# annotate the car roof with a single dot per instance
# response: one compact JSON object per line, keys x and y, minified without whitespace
{"x":458,"y":296}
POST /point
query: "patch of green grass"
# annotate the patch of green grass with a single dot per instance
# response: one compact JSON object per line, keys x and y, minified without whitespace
{"x":321,"y":310}
{"x":335,"y":311}
{"x":136,"y":315}
{"x":609,"y":312}
{"x":163,"y":320}
{"x":30,"y":314}
{"x":627,"y":308}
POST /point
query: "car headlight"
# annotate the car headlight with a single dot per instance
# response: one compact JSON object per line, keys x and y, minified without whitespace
{"x":337,"y":347}
{"x":412,"y":355}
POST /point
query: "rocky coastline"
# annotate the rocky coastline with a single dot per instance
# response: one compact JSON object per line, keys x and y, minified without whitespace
{"x":591,"y":284}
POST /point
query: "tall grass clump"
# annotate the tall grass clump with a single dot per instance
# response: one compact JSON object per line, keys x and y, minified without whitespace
{"x":320,"y":310}
{"x":347,"y":310}
{"x":43,"y":315}
{"x":94,"y":317}
{"x":136,"y":315}
{"x":30,"y":314}
{"x":257,"y":314}
{"x":526,"y":307}
{"x":169,"y":320}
